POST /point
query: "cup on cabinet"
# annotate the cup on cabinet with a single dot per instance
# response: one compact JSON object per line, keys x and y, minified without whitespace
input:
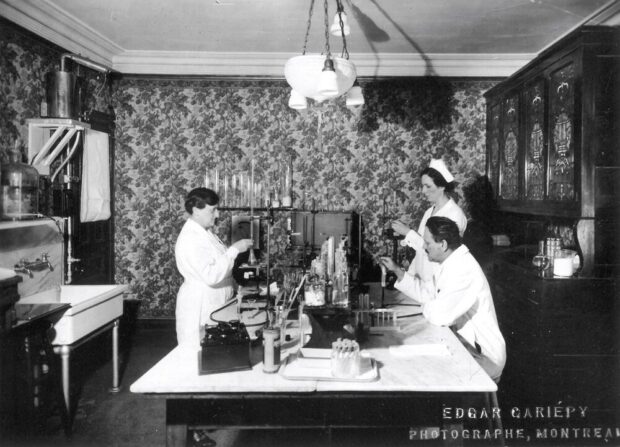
{"x":565,"y":262}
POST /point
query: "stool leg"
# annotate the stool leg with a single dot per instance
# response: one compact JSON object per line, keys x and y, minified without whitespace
{"x":492,"y":403}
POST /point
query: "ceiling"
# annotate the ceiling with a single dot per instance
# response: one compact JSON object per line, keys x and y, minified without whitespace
{"x":256,"y":37}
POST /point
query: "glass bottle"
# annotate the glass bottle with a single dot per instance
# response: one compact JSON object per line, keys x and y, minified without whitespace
{"x":541,"y":260}
{"x":19,"y":182}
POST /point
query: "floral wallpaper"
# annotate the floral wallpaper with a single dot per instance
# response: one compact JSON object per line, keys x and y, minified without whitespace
{"x":170,"y":132}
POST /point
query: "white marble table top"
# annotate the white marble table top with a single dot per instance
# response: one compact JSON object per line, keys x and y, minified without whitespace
{"x":440,"y":363}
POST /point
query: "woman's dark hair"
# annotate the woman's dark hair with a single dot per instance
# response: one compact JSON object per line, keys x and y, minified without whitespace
{"x":444,"y":229}
{"x":199,"y":198}
{"x":438,"y":179}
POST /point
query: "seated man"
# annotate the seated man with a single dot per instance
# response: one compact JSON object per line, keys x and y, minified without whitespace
{"x":457,"y":296}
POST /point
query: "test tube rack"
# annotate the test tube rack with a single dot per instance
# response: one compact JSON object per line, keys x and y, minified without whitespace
{"x":378,"y":319}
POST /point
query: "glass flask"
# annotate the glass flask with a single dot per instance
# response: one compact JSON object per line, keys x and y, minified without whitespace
{"x":286,"y":182}
{"x":541,"y":260}
{"x":20,"y":189}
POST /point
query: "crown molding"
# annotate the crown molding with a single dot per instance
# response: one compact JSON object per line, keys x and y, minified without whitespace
{"x":607,"y":15}
{"x":47,"y":21}
{"x":272,"y":64}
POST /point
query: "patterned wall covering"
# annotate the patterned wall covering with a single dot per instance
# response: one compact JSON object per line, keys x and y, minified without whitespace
{"x":170,"y":132}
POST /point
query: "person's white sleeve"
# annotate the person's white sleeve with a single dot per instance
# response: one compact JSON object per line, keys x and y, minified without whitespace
{"x":415,"y":288}
{"x":211,"y":268}
{"x":414,"y":240}
{"x":455,"y":297}
{"x":461,"y":222}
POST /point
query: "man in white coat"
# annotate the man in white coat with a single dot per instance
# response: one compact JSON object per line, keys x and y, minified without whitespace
{"x":458,"y":295}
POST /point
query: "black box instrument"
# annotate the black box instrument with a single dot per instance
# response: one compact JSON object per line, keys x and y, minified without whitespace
{"x":225,"y":347}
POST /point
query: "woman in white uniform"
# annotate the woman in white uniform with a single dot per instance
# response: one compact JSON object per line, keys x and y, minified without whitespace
{"x":206,"y":265}
{"x":437,"y":184}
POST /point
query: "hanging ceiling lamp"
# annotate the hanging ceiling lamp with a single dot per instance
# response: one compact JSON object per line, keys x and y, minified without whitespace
{"x":321,"y":76}
{"x":341,"y":24}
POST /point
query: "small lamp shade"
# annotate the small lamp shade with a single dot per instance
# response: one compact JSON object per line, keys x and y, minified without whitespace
{"x":354,"y":96}
{"x":335,"y":28}
{"x":328,"y":81}
{"x":297,"y":101}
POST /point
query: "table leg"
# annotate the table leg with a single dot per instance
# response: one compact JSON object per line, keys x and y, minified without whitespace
{"x":176,"y":435}
{"x":177,"y":420}
{"x":64,"y":416}
{"x":65,"y":354}
{"x":115,"y":379}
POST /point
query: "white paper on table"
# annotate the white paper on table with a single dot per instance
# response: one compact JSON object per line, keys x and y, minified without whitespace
{"x":7,"y":273}
{"x":431,"y":349}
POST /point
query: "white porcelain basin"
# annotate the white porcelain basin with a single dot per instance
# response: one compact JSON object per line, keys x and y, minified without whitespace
{"x":92,"y":307}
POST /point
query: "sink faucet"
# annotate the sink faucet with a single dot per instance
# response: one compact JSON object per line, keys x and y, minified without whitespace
{"x":27,"y":267}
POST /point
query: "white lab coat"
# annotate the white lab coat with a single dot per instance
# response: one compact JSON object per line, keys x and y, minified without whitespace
{"x":206,"y":265}
{"x":421,"y":265}
{"x":459,"y":296}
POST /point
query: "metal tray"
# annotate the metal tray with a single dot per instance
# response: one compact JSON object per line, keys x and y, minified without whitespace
{"x":315,"y":364}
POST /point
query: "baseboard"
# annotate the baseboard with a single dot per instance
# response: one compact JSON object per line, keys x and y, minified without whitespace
{"x":155,"y":323}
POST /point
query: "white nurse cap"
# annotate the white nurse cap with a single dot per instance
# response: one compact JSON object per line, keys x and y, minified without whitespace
{"x":439,"y":166}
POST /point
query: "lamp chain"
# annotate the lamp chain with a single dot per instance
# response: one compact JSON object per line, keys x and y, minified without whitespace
{"x":345,"y":52}
{"x":327,"y":50}
{"x":308,"y":26}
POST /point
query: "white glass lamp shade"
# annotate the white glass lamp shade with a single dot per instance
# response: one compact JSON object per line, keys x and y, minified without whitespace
{"x":302,"y":74}
{"x":355,"y":97}
{"x":335,"y":28}
{"x":328,"y":81}
{"x":297,"y":101}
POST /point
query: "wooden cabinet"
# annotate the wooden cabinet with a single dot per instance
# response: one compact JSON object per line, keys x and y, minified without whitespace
{"x":553,"y":133}
{"x":561,"y":335}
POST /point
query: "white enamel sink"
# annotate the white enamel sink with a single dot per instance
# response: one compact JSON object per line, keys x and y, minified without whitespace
{"x":92,"y":307}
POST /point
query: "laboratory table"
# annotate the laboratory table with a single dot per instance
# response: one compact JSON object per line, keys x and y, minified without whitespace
{"x":410,"y":390}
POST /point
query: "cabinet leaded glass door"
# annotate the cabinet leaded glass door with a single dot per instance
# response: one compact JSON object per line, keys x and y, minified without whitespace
{"x":509,"y":186}
{"x":493,"y":141}
{"x":535,"y":141}
{"x":561,"y":133}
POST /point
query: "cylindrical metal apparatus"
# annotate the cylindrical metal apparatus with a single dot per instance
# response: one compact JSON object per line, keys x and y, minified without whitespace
{"x":63,"y":95}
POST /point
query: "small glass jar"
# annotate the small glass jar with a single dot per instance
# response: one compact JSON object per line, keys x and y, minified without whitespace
{"x":19,"y":182}
{"x":541,"y":260}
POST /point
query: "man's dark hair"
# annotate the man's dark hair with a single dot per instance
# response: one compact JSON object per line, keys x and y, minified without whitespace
{"x":444,"y":229}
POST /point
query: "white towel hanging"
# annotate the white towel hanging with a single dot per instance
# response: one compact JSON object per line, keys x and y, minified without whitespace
{"x":95,"y":197}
